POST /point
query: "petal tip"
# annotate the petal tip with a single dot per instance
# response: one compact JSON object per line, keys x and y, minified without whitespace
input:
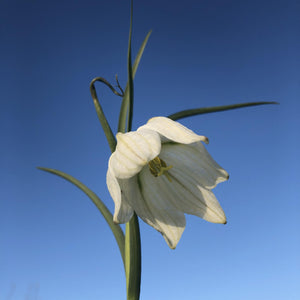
{"x":172,"y":245}
{"x":116,"y":220}
{"x":219,"y":219}
{"x":223,"y":220}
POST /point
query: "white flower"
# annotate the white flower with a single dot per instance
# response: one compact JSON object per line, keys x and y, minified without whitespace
{"x":162,"y":171}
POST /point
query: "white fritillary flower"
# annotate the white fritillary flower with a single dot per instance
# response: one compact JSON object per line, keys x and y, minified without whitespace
{"x":162,"y":171}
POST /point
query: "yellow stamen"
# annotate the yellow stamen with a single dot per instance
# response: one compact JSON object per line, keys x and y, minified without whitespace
{"x":158,"y":167}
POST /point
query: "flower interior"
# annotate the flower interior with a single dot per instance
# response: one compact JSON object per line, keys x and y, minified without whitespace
{"x":158,"y":167}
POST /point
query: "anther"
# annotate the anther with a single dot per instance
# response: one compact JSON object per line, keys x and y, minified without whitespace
{"x":158,"y":167}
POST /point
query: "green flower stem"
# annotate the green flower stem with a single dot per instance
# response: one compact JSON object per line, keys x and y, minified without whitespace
{"x":133,"y":258}
{"x":132,"y":230}
{"x":205,"y":110}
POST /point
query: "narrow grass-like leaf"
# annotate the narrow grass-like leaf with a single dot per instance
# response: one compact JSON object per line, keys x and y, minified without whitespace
{"x":205,"y":110}
{"x":105,"y":125}
{"x":115,"y":228}
{"x":130,"y":78}
{"x":103,"y":80}
{"x":125,"y":102}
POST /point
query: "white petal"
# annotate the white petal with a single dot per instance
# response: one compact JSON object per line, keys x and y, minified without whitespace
{"x":134,"y":150}
{"x":193,"y":199}
{"x":186,"y":193}
{"x":123,"y":211}
{"x":130,"y":187}
{"x":204,"y":153}
{"x":170,"y":220}
{"x":190,"y":198}
{"x":173,"y":131}
{"x":151,"y":207}
{"x":195,"y":161}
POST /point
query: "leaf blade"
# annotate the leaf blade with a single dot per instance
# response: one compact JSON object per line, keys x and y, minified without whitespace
{"x":130,"y":78}
{"x":104,"y":123}
{"x":205,"y":110}
{"x":115,"y":228}
{"x":125,"y":101}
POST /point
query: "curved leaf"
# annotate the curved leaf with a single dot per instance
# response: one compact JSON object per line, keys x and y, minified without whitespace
{"x":206,"y":110}
{"x":105,"y":125}
{"x":115,"y":228}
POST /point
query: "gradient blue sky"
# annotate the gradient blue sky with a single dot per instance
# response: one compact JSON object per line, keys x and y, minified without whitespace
{"x":54,"y":244}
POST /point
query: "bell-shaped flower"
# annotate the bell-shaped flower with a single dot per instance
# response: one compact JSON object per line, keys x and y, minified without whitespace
{"x":162,"y":171}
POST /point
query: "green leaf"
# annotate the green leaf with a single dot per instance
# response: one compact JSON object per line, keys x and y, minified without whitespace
{"x":130,"y":78}
{"x":115,"y":228}
{"x":206,"y":110}
{"x":125,"y":101}
{"x":105,"y":125}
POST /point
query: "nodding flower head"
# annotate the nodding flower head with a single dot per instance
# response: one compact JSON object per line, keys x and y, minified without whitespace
{"x":163,"y":171}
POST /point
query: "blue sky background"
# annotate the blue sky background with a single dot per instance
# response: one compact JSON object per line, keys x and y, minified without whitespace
{"x":54,"y":244}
